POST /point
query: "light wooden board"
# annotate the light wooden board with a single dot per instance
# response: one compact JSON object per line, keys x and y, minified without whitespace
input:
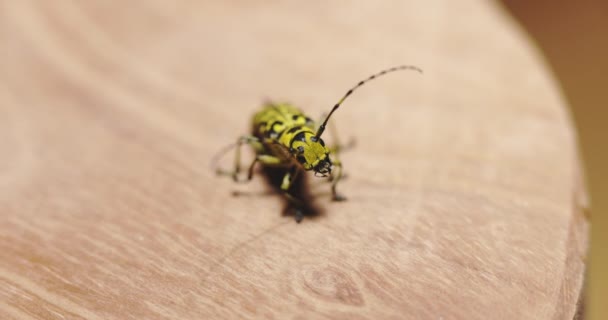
{"x":465,"y":194}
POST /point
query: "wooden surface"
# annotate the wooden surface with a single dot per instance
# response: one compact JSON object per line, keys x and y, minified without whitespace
{"x":465,"y":194}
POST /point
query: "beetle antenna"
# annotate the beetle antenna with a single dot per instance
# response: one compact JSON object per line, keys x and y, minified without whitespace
{"x":362,"y":82}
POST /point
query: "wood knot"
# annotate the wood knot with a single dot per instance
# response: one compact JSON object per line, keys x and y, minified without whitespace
{"x":332,"y":284}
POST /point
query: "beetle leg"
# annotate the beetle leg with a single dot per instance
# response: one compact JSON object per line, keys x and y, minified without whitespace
{"x":257,"y":146}
{"x":288,"y":180}
{"x":266,"y":160}
{"x":334,"y":181}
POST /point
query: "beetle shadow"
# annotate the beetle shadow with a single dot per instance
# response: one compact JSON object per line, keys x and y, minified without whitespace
{"x":300,"y":189}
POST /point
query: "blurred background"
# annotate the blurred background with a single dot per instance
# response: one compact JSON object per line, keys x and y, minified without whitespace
{"x":573,"y":36}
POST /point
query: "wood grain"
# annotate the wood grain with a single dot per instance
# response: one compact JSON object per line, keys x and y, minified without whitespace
{"x":465,"y":191}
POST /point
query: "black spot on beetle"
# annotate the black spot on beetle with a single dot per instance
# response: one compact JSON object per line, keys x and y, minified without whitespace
{"x":301,"y":159}
{"x":294,"y":129}
{"x":300,"y":136}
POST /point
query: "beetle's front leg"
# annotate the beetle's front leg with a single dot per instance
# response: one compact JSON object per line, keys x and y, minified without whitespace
{"x":257,"y":146}
{"x":266,"y":160}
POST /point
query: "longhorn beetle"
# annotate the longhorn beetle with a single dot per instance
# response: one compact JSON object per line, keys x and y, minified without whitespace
{"x":283,"y":136}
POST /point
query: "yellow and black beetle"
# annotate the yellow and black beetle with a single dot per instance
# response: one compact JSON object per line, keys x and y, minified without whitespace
{"x":283,"y":136}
